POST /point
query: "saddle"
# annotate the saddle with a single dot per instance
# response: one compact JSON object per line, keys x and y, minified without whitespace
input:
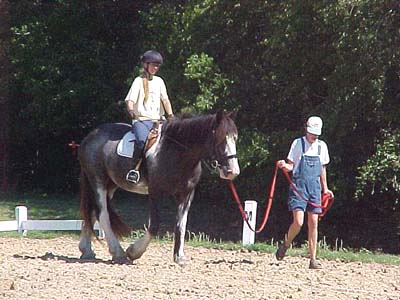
{"x":126,"y":145}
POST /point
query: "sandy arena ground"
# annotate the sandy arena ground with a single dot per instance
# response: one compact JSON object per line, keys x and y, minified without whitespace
{"x":50,"y":269}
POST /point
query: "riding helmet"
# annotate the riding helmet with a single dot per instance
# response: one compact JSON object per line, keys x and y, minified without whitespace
{"x":152,"y":56}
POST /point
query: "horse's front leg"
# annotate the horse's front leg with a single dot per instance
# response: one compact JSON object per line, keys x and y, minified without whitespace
{"x":137,"y":249}
{"x":184,"y":202}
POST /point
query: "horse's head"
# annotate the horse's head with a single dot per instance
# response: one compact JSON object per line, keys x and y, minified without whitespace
{"x":223,"y":150}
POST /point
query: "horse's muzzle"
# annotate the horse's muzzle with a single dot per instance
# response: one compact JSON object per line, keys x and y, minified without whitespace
{"x":231,"y":171}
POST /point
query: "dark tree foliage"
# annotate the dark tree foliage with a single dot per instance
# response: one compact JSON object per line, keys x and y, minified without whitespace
{"x":275,"y":62}
{"x":5,"y":75}
{"x":285,"y":61}
{"x":72,"y":61}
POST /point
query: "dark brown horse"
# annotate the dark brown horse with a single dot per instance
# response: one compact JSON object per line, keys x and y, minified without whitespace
{"x":172,"y":167}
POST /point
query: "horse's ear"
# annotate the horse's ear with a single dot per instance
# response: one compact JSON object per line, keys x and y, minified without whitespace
{"x":219,"y":116}
{"x":232,"y":115}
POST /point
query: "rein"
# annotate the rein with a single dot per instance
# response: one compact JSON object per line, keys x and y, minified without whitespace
{"x":213,"y":164}
{"x":210,"y":166}
{"x":326,"y":200}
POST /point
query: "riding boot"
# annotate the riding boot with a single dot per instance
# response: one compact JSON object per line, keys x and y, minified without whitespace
{"x":134,"y":175}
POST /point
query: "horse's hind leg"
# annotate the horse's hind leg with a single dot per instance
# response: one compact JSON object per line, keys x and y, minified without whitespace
{"x":180,"y":226}
{"x":85,"y":243}
{"x":88,"y":214}
{"x":137,"y":249}
{"x":115,"y":249}
{"x":94,"y":195}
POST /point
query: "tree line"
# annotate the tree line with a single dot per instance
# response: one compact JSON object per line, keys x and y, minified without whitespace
{"x":274,"y":62}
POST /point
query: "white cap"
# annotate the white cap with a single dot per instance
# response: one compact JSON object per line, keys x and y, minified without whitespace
{"x":314,"y":125}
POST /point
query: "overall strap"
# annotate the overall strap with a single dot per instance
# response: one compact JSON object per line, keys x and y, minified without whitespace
{"x":319,"y":148}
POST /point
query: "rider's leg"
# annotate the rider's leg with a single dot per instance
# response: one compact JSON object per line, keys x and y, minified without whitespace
{"x":141,"y":130}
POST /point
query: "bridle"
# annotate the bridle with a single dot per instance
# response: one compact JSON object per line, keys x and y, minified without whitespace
{"x":210,"y":164}
{"x":216,"y":160}
{"x":215,"y":163}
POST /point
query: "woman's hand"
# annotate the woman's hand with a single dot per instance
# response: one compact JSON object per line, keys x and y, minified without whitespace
{"x":281,"y":164}
{"x":284,"y":165}
{"x":132,"y":114}
{"x":328,"y":191}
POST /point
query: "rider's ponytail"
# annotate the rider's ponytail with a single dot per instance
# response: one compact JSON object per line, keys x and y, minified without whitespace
{"x":145,"y":78}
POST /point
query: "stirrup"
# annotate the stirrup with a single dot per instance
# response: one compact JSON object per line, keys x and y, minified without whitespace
{"x":133,"y":176}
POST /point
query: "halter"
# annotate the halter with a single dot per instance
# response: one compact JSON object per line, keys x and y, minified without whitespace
{"x":215,"y":163}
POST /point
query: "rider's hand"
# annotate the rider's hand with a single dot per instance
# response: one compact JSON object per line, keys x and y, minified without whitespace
{"x":171,"y":117}
{"x":132,"y":114}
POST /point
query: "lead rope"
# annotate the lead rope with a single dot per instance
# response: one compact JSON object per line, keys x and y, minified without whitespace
{"x":267,"y":209}
{"x":325,"y":204}
{"x":326,"y":198}
{"x":294,"y":188}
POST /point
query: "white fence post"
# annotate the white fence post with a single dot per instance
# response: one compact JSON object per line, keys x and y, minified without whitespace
{"x":250,"y":208}
{"x":21,"y":215}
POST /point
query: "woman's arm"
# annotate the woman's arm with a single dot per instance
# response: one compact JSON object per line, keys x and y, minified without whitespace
{"x":324,"y":182}
{"x":167,"y":107}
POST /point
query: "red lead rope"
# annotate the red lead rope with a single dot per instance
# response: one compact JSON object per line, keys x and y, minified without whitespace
{"x":267,"y":209}
{"x":326,"y":200}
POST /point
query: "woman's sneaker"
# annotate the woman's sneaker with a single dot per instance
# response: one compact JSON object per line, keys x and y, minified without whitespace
{"x":280,"y":253}
{"x":314,"y":264}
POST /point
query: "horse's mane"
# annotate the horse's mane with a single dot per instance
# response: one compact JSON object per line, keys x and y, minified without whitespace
{"x":190,"y":130}
{"x":198,"y":129}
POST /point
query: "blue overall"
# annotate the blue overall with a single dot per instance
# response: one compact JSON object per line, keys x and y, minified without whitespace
{"x":307,"y":182}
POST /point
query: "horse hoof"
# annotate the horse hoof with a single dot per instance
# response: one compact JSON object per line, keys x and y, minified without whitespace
{"x":133,"y":253}
{"x":181,"y":261}
{"x":121,"y":260}
{"x":88,"y":256}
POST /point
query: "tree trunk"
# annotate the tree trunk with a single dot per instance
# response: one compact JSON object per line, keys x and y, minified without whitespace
{"x":4,"y":90}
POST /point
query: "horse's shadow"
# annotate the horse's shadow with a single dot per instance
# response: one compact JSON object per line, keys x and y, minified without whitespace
{"x":48,"y":256}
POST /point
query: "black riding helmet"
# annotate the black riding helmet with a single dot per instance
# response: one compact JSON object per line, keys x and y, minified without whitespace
{"x":152,"y":56}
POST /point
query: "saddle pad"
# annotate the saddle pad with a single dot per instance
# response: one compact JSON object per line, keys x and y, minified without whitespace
{"x":126,"y":146}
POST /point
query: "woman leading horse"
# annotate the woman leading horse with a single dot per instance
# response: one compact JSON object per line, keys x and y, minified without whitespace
{"x":172,"y":167}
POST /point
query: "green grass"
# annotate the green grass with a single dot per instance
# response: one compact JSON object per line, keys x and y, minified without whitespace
{"x":43,"y":206}
{"x":40,"y":206}
{"x":341,"y":254}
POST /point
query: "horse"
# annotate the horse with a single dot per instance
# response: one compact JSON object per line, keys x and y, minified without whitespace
{"x":172,"y":167}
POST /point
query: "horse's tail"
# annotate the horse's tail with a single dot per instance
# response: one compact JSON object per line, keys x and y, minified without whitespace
{"x":90,"y":209}
{"x":88,"y":206}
